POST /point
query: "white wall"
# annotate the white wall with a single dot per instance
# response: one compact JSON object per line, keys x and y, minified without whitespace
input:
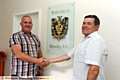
{"x":107,"y":10}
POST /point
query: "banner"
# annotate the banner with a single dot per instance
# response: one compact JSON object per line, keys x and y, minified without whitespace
{"x":60,"y":33}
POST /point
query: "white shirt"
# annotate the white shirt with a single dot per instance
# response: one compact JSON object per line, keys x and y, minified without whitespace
{"x":91,"y":50}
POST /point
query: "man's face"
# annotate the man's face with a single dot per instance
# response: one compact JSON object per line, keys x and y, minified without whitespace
{"x":26,"y":24}
{"x":88,"y":26}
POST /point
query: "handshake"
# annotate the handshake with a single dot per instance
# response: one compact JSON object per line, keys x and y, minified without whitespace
{"x":43,"y":62}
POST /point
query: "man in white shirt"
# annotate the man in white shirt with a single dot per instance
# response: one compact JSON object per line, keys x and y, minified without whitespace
{"x":89,"y":55}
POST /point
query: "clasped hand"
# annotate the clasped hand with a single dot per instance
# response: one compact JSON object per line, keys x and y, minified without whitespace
{"x":43,"y":62}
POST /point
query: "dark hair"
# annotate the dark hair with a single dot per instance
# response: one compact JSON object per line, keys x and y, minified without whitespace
{"x":96,"y":19}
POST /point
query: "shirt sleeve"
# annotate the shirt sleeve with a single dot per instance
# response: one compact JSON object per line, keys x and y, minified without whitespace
{"x":14,"y":39}
{"x":94,"y":52}
{"x":72,"y":52}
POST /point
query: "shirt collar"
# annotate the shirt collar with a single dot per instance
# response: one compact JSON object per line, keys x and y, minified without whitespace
{"x":92,"y":34}
{"x":25,"y":33}
{"x":89,"y":36}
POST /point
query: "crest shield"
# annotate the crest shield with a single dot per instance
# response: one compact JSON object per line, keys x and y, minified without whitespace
{"x":59,"y":27}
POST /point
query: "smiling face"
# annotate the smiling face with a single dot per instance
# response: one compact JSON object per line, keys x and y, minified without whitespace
{"x":26,"y":24}
{"x":89,"y":26}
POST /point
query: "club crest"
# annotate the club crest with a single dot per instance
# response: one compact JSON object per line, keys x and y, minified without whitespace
{"x":59,"y":27}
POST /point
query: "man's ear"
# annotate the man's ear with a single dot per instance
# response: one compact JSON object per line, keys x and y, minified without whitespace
{"x":97,"y":27}
{"x":21,"y":24}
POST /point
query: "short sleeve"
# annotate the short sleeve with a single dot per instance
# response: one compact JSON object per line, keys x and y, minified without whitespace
{"x":72,"y":52}
{"x":14,"y":39}
{"x":94,"y":52}
{"x":39,"y":43}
